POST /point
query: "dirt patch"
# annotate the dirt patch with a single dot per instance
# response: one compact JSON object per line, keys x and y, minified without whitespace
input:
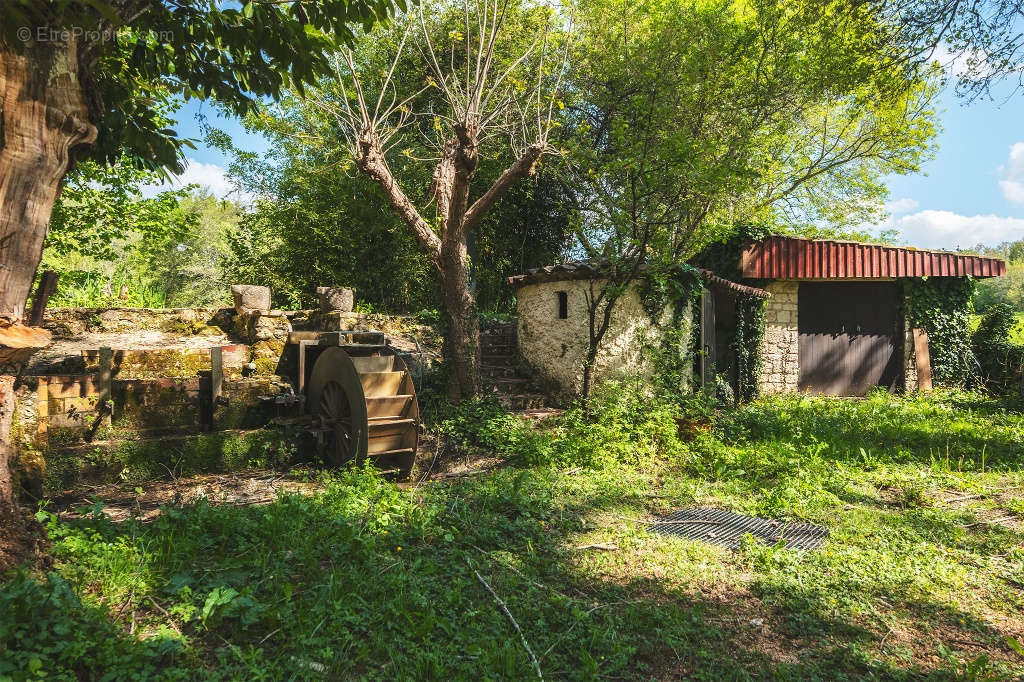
{"x":120,"y":502}
{"x":23,"y":539}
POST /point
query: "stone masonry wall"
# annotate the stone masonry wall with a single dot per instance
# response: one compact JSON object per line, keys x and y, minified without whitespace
{"x":555,"y":349}
{"x":780,"y":359}
{"x":909,"y":359}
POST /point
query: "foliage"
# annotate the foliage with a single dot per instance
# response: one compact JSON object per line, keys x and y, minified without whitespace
{"x":141,"y":57}
{"x":47,"y":632}
{"x":362,"y":579}
{"x":1000,"y":360}
{"x":625,"y":425}
{"x":102,"y":206}
{"x":675,"y":288}
{"x":1008,"y":288}
{"x":655,"y":154}
{"x":942,"y":307}
{"x":746,"y":343}
{"x":324,"y":222}
{"x":112,"y":245}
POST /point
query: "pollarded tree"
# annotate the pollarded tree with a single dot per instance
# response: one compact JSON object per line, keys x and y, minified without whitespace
{"x":93,"y":78}
{"x":497,"y":77}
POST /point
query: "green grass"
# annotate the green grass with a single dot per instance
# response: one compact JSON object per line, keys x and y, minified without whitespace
{"x":366,"y":580}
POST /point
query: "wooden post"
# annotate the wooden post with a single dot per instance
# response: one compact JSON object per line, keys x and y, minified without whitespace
{"x":106,"y":375}
{"x":707,"y":338}
{"x":216,"y":379}
{"x":47,"y":285}
{"x":922,"y":360}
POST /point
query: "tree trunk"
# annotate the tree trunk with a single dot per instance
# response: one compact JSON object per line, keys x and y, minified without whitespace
{"x":462,"y":340}
{"x":6,"y":447}
{"x":43,"y":117}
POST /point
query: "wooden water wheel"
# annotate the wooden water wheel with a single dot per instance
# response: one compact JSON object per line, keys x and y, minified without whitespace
{"x":363,"y":404}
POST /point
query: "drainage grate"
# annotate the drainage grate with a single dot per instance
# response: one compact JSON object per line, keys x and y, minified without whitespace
{"x":726,"y":529}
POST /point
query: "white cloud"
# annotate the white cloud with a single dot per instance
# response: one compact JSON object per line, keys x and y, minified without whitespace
{"x":1012,"y":183}
{"x":932,"y":229}
{"x":898,"y":206}
{"x":970,"y":63}
{"x":207,"y":175}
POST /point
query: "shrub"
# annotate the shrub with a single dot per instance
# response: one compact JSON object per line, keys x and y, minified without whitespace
{"x":1001,"y":361}
{"x":626,"y":425}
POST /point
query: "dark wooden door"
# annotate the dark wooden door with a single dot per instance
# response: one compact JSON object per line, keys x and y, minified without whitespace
{"x":849,"y":337}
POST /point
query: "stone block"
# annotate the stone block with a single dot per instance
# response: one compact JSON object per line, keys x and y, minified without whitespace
{"x":340,"y":299}
{"x":250,"y":297}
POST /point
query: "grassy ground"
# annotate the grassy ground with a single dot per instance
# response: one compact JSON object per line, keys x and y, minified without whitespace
{"x":922,"y":577}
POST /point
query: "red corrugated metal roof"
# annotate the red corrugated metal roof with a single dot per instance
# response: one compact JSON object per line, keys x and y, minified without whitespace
{"x":791,"y":258}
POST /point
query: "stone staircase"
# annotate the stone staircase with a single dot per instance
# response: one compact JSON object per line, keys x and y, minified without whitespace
{"x":499,"y":368}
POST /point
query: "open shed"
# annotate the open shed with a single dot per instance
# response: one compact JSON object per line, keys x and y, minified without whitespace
{"x":836,"y":323}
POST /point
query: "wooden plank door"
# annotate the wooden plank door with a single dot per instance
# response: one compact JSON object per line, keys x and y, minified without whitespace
{"x":849,"y":337}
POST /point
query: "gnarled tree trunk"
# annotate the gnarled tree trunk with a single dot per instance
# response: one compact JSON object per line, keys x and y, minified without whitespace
{"x":462,"y":340}
{"x":43,"y":117}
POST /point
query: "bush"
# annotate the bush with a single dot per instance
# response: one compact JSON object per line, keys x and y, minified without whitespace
{"x":626,"y":425}
{"x":1001,"y":361}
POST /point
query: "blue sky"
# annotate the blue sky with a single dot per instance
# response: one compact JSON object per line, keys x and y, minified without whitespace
{"x":972,"y":191}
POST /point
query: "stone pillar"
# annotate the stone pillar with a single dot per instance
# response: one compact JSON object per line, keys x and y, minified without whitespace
{"x":780,"y":357}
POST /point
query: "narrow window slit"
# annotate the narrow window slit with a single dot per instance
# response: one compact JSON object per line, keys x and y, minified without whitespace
{"x":563,"y":305}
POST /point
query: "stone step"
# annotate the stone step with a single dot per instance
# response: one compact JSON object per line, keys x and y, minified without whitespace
{"x":505,"y":382}
{"x":522,"y":401}
{"x":498,"y":371}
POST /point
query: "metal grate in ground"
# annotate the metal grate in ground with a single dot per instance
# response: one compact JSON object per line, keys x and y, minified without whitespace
{"x":726,"y":528}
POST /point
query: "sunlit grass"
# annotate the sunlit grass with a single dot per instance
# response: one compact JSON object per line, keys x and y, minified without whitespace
{"x":922,"y":576}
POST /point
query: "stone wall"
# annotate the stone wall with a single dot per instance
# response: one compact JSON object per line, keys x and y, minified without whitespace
{"x":909,"y":358}
{"x":554,"y":349}
{"x":780,"y":358}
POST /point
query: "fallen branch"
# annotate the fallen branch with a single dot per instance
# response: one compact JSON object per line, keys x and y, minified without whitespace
{"x":508,"y":614}
{"x":170,"y":620}
{"x":991,"y":521}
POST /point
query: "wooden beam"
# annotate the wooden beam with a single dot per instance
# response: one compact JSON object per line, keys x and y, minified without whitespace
{"x":922,"y":360}
{"x":47,"y":285}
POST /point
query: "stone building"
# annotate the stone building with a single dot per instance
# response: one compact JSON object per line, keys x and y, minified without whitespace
{"x":554,"y":326}
{"x":835,"y":320}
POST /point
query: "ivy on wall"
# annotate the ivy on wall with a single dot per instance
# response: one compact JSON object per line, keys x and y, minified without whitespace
{"x":942,"y":307}
{"x":746,"y":344}
{"x":676,"y":288}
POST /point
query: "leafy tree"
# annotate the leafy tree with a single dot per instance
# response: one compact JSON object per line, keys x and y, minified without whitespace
{"x":98,"y":223}
{"x":93,"y":77}
{"x":694,"y":117}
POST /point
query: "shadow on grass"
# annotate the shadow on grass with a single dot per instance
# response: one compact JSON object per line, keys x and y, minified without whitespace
{"x":365,"y":580}
{"x":956,"y":430}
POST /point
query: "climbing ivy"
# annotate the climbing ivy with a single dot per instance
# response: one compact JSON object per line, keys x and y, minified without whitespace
{"x":678,"y":287}
{"x":675,"y":287}
{"x":942,"y":307}
{"x":746,"y":344}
